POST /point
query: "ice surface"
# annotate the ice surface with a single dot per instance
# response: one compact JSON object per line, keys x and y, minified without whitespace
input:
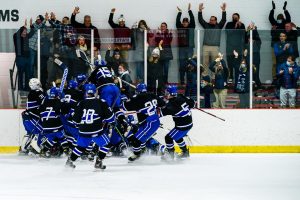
{"x":202,"y":177}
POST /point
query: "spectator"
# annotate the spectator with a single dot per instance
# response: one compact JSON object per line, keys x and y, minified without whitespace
{"x":282,"y":51}
{"x":218,"y":66}
{"x":164,"y":37}
{"x":292,"y":37}
{"x":85,"y":30}
{"x":67,"y":42}
{"x":21,"y":42}
{"x":138,"y":47}
{"x":212,"y":35}
{"x":124,"y":75}
{"x":185,"y":31}
{"x":205,"y":91}
{"x":81,"y":67}
{"x":114,"y":61}
{"x":38,"y":24}
{"x":256,"y":51}
{"x":242,"y":82}
{"x":235,"y":33}
{"x":122,"y":34}
{"x":191,"y":77}
{"x":289,"y":74}
{"x":278,"y":26}
{"x":46,"y":45}
{"x":155,"y":70}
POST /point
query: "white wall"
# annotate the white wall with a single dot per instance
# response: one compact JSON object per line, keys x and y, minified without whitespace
{"x":242,"y":127}
{"x":154,"y":11}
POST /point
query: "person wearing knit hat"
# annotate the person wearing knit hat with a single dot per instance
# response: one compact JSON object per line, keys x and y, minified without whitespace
{"x":39,"y":19}
{"x":122,"y":34}
{"x":186,"y":30}
{"x":114,"y":61}
{"x":155,"y":52}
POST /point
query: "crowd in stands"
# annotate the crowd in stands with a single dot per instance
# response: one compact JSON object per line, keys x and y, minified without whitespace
{"x":60,"y":39}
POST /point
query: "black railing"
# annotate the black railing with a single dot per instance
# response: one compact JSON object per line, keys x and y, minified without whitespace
{"x":13,"y":84}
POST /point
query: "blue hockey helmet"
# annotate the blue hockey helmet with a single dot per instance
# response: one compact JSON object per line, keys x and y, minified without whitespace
{"x":72,"y":84}
{"x":80,"y":78}
{"x":141,"y":87}
{"x":53,"y":93}
{"x":100,"y":63}
{"x":90,"y":88}
{"x":172,"y":90}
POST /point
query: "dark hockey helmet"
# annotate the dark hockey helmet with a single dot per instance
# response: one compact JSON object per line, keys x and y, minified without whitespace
{"x":53,"y":93}
{"x":80,"y":78}
{"x":172,"y":90}
{"x":141,"y":87}
{"x":72,"y":84}
{"x":89,"y":88}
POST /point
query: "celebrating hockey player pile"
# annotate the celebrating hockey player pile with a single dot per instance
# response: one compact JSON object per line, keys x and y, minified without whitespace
{"x":91,"y":117}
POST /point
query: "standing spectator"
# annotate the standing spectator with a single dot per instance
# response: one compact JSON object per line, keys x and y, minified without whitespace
{"x":278,"y":25}
{"x":38,"y":24}
{"x":81,"y":67}
{"x":205,"y":91}
{"x":155,"y":70}
{"x":212,"y":35}
{"x":138,"y":47}
{"x":85,"y":30}
{"x":124,"y":75}
{"x":185,"y":31}
{"x":256,"y":51}
{"x":235,"y":33}
{"x":114,"y":61}
{"x":282,"y":51}
{"x":165,"y":37}
{"x":220,"y":69}
{"x":122,"y":34}
{"x":242,"y":82}
{"x":21,"y":42}
{"x":289,"y":73}
{"x":67,"y":42}
{"x":292,"y":37}
{"x":191,"y":77}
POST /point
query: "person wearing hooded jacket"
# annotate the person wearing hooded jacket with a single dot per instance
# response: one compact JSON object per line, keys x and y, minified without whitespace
{"x":21,"y":42}
{"x":186,"y":45}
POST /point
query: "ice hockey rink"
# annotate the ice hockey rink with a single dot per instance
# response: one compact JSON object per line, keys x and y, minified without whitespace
{"x":203,"y":176}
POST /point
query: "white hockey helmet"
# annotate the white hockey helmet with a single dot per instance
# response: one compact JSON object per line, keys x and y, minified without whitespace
{"x":35,"y":84}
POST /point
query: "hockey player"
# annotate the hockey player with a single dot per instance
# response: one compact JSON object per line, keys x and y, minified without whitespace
{"x":179,"y":108}
{"x":30,"y":115}
{"x":53,"y":132}
{"x":72,"y":96}
{"x":90,"y":116}
{"x":145,"y":104}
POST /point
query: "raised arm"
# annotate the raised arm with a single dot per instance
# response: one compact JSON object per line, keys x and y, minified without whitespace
{"x":110,"y":20}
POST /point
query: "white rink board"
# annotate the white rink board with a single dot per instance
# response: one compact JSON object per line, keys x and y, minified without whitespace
{"x":242,"y":127}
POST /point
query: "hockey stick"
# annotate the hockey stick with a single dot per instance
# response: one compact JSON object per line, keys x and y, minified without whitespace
{"x":81,"y":55}
{"x":65,"y":74}
{"x":210,"y":114}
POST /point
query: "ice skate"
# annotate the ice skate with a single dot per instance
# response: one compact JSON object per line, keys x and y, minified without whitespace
{"x":99,"y":164}
{"x":70,"y":164}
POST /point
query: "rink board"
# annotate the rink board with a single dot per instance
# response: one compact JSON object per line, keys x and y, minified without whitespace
{"x":244,"y":131}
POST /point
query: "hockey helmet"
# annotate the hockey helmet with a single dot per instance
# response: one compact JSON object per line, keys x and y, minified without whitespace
{"x":80,"y":78}
{"x":90,"y":88}
{"x":100,"y":63}
{"x":53,"y":93}
{"x":141,"y":87}
{"x":35,"y":84}
{"x":172,"y":90}
{"x":72,"y":84}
